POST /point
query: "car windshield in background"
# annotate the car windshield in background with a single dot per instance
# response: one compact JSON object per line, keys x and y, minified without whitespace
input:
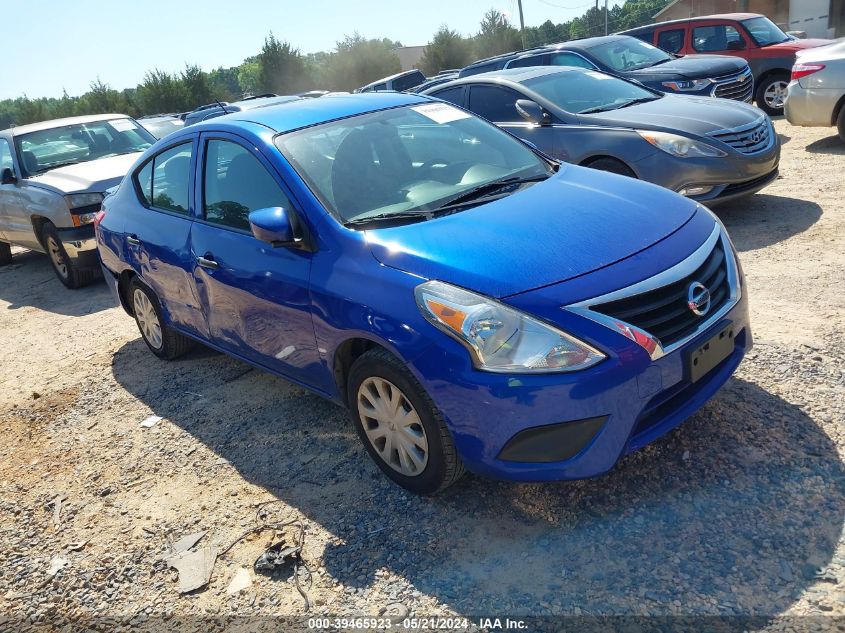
{"x":764,"y":31}
{"x":583,"y":92}
{"x":409,"y":161}
{"x":70,"y":144}
{"x":163,"y":127}
{"x":629,"y":54}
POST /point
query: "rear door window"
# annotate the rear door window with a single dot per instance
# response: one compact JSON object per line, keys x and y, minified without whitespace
{"x":671,"y":40}
{"x":716,"y":38}
{"x":5,"y":155}
{"x":164,"y":181}
{"x":494,"y":103}
{"x":570,"y":59}
{"x":531,"y":60}
{"x":452,"y":95}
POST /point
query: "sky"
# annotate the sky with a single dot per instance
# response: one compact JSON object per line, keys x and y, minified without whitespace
{"x":66,"y":44}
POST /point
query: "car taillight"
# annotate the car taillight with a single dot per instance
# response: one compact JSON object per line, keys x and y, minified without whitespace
{"x":99,"y":217}
{"x":802,"y":70}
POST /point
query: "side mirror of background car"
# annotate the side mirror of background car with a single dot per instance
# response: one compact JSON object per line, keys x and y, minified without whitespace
{"x":532,"y":112}
{"x":736,"y":45}
{"x":7,"y":177}
{"x":272,"y":225}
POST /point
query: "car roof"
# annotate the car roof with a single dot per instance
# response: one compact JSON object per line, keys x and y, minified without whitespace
{"x":392,"y":77}
{"x":736,"y":17}
{"x":514,"y":75}
{"x":53,"y":123}
{"x":286,"y":117}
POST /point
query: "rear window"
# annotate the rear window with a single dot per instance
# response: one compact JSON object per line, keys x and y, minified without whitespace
{"x":671,"y":41}
{"x":408,"y":81}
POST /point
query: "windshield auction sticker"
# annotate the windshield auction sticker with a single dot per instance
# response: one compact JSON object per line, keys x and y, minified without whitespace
{"x":440,"y":112}
{"x":122,"y":125}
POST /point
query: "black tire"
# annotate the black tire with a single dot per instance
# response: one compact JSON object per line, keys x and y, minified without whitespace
{"x":173,"y":344}
{"x":5,"y":254}
{"x":840,"y":123}
{"x":69,"y":274}
{"x":613,"y":166}
{"x":760,"y":94}
{"x":443,"y":467}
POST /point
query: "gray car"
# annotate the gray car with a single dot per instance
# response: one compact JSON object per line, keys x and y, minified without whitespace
{"x":816,"y":94}
{"x":711,"y":150}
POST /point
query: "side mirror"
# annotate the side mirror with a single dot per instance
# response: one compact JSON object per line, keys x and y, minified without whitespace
{"x":7,"y":177}
{"x":736,"y":45}
{"x":532,"y":112}
{"x":272,"y":225}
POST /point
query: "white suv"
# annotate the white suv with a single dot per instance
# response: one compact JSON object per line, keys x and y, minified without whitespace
{"x":52,"y":179}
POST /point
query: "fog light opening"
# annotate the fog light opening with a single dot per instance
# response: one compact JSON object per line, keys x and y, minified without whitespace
{"x":696,"y":190}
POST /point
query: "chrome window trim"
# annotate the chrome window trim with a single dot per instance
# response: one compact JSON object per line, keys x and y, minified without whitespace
{"x":670,"y":275}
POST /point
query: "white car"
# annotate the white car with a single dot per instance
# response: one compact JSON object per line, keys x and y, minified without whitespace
{"x":816,"y":94}
{"x":53,"y":176}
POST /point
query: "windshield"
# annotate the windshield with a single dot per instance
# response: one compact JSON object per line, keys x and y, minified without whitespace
{"x":163,"y":127}
{"x":764,"y":31}
{"x":78,"y":143}
{"x":403,"y":160}
{"x":628,"y":54}
{"x":579,"y":92}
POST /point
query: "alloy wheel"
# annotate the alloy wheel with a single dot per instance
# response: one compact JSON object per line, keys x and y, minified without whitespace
{"x":147,"y":318}
{"x":392,"y":426}
{"x":775,"y":94}
{"x":57,"y":257}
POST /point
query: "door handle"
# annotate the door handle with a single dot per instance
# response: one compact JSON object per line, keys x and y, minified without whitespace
{"x":133,"y":239}
{"x":206,"y":262}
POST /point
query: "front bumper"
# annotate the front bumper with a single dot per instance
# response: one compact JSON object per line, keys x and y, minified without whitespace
{"x":630,"y":399}
{"x":80,"y":245}
{"x":811,"y":107}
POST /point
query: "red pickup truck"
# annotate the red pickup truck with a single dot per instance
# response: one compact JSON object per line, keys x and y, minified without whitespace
{"x":769,"y":51}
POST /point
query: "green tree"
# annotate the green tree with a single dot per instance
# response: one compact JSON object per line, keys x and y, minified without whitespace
{"x":196,"y":86}
{"x":447,"y":49}
{"x":357,"y":61}
{"x":249,"y":78}
{"x":281,"y":67}
{"x":224,"y":83}
{"x":162,"y":92}
{"x":496,"y":36}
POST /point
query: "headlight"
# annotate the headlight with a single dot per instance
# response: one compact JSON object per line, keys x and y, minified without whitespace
{"x":500,"y":338}
{"x":680,"y":146}
{"x":688,"y":85}
{"x":77,"y":200}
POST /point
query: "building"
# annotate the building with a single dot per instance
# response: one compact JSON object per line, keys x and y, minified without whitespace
{"x":816,"y":18}
{"x":409,"y":56}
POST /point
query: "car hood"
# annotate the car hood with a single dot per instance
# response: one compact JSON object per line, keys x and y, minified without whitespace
{"x":93,"y":175}
{"x":693,"y":67}
{"x":576,"y":222}
{"x":679,"y":113}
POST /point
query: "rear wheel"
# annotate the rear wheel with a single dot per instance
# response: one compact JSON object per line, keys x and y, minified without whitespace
{"x":613,"y":166}
{"x":771,"y":93}
{"x":163,"y":341}
{"x":5,"y":254}
{"x":68,"y":273}
{"x":400,"y":425}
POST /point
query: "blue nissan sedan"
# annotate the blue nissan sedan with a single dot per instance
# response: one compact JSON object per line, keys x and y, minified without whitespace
{"x":475,"y":304}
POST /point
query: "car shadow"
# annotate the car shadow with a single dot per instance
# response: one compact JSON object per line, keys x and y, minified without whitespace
{"x":763,"y":219}
{"x":830,"y":145}
{"x":30,"y":281}
{"x":732,"y":513}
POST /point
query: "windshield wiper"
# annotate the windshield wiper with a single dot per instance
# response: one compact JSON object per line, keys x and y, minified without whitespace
{"x":617,"y":106}
{"x":57,"y":165}
{"x":404,"y":215}
{"x":485,"y":190}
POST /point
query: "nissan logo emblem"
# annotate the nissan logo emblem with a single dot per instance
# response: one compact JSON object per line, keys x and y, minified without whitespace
{"x":698,"y":298}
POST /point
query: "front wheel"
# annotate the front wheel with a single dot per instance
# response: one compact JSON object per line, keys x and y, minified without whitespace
{"x":163,"y":341}
{"x":840,"y":124}
{"x":771,"y":94}
{"x":70,"y":274}
{"x":5,"y":254}
{"x":400,"y":425}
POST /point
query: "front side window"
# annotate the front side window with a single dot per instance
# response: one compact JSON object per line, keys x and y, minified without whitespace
{"x":48,"y":149}
{"x":582,"y":92}
{"x":764,"y":31}
{"x":494,"y":103}
{"x":719,"y":37}
{"x":628,"y":54}
{"x":407,"y":161}
{"x":531,"y":60}
{"x":569,"y":59}
{"x":236,"y":183}
{"x":671,"y":41}
{"x":5,"y":155}
{"x":164,"y":180}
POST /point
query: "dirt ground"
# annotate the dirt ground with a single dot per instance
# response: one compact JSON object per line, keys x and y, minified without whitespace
{"x":738,"y":512}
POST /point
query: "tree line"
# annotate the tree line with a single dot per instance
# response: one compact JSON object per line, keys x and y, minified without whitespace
{"x":280,"y":68}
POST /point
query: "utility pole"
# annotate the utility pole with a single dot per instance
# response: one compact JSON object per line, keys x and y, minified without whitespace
{"x":521,"y":23}
{"x":605,"y":17}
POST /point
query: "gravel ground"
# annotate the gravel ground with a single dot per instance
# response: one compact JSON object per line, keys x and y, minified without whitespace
{"x":738,"y":512}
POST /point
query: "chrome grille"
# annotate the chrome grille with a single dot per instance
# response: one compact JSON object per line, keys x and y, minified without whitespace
{"x":748,"y":139}
{"x":664,"y":312}
{"x":739,"y":87}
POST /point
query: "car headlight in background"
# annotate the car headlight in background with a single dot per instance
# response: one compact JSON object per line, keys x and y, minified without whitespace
{"x":680,"y":146}
{"x":83,"y":207}
{"x":499,"y":338}
{"x":688,"y":85}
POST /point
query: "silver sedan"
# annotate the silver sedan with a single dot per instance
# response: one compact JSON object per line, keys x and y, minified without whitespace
{"x":816,"y":94}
